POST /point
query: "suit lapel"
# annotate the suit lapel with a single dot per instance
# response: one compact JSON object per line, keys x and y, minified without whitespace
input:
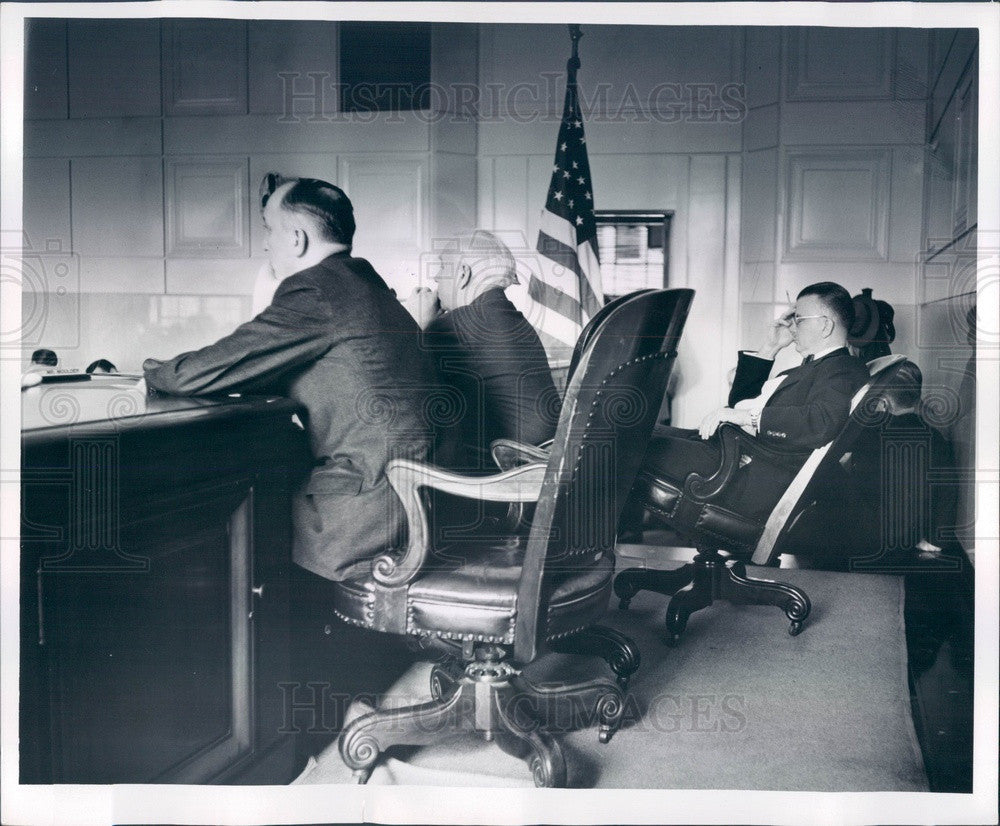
{"x":795,"y":374}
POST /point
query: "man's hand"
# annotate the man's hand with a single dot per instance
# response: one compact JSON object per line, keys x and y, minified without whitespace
{"x":712,"y":421}
{"x":779,"y":336}
{"x":30,"y":379}
{"x":422,"y":304}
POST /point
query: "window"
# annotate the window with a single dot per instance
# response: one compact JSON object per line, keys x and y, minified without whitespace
{"x":385,"y":67}
{"x":634,"y":248}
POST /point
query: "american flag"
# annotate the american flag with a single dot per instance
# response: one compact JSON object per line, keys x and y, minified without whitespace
{"x":568,"y":286}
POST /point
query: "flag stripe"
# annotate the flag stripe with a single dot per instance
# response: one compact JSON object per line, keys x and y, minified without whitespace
{"x":562,"y":255}
{"x":552,"y":322}
{"x":558,"y":228}
{"x":554,"y":299}
{"x":562,"y":231}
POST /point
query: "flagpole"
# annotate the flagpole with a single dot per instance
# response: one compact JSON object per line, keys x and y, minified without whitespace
{"x":566,"y":289}
{"x":574,"y":35}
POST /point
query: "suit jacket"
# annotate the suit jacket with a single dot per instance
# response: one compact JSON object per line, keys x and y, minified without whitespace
{"x":810,"y":406}
{"x":334,"y":339}
{"x":492,"y":356}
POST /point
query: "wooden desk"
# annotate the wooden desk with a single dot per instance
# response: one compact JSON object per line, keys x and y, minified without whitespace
{"x":155,"y":552}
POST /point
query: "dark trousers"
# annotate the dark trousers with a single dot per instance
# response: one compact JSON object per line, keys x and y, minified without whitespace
{"x":332,"y":664}
{"x":674,"y":453}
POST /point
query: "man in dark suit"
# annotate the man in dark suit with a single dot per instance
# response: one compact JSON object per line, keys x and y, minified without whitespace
{"x":485,"y":348}
{"x":795,"y":412}
{"x":334,"y":339}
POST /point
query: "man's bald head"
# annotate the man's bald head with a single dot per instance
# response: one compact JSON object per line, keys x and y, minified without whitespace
{"x":305,"y":220}
{"x":472,"y":264}
{"x":323,"y":206}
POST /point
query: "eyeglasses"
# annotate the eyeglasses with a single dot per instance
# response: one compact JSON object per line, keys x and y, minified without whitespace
{"x":795,"y":319}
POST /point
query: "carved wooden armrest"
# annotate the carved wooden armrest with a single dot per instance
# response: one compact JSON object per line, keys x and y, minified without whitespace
{"x":706,"y":488}
{"x":507,"y":453}
{"x":520,"y":484}
{"x":735,"y":445}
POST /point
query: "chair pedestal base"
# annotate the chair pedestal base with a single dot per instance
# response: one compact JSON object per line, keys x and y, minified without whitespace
{"x":709,"y":577}
{"x":493,"y":699}
{"x":618,"y":651}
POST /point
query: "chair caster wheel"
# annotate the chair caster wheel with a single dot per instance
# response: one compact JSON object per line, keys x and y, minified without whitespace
{"x":603,"y":736}
{"x":795,"y":628}
{"x":360,"y":776}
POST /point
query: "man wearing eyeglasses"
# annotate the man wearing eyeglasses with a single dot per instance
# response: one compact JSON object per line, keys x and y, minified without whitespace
{"x":336,"y":340}
{"x":797,"y":411}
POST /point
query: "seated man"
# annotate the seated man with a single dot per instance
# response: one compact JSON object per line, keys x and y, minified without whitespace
{"x":335,"y":340}
{"x":486,"y":349}
{"x":796,"y":411}
{"x":101,"y":366}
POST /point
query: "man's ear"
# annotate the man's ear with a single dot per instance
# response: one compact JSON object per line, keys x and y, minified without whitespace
{"x":464,"y":276}
{"x":300,"y":242}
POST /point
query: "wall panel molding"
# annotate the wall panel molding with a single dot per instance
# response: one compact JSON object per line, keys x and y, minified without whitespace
{"x":259,"y":134}
{"x":117,"y":206}
{"x":92,"y":137}
{"x":389,"y":195}
{"x":839,"y":64}
{"x":113,"y":68}
{"x":45,"y":205}
{"x":293,"y":65}
{"x":204,"y":67}
{"x":836,"y":204}
{"x":207,"y":204}
{"x":853,"y":122}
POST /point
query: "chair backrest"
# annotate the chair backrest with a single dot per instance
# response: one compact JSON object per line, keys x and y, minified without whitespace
{"x":608,"y":412}
{"x":883,"y":372}
{"x":587,"y":333}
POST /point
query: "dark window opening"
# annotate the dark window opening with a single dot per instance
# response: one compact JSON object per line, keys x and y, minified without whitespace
{"x":385,"y":67}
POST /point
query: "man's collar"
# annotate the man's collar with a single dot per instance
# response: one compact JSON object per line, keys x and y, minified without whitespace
{"x":827,"y":352}
{"x":822,"y":354}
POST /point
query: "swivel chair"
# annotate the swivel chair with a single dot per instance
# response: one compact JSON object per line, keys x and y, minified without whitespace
{"x":694,"y":511}
{"x":492,"y":607}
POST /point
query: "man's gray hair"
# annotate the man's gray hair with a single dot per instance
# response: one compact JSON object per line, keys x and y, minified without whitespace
{"x":492,"y":263}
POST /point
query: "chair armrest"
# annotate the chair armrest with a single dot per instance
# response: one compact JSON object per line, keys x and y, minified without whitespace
{"x":508,"y":454}
{"x":707,"y":488}
{"x":735,"y":443}
{"x":520,"y":484}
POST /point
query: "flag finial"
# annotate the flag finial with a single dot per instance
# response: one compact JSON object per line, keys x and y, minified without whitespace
{"x":574,"y":35}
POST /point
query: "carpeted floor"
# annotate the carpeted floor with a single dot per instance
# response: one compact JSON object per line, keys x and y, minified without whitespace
{"x":739,"y":704}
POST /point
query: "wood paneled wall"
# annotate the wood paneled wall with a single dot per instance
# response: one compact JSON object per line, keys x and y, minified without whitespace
{"x":833,"y":168}
{"x":949,"y":265}
{"x":787,"y":155}
{"x":145,"y":141}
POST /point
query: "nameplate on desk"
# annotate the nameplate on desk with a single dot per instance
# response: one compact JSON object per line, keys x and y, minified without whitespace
{"x":54,"y":376}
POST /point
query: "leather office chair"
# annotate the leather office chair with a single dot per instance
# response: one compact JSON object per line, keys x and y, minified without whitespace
{"x":508,"y":453}
{"x":694,"y":511}
{"x":493,"y":607}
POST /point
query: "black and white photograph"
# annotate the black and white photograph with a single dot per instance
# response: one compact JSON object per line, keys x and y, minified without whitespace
{"x":500,"y":412}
